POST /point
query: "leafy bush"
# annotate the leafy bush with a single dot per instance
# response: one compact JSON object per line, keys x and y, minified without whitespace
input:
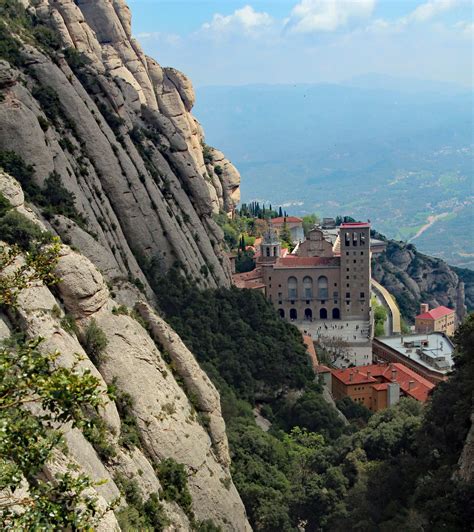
{"x":129,"y":431}
{"x":15,"y":228}
{"x":139,"y":515}
{"x":68,"y":323}
{"x":94,"y":342}
{"x":174,"y":482}
{"x":5,"y":205}
{"x":96,"y":432}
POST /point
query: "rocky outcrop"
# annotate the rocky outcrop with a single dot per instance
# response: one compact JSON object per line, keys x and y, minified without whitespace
{"x":118,"y":129}
{"x":182,"y":422}
{"x":413,"y":278}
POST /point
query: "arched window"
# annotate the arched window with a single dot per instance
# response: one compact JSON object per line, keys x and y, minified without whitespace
{"x":293,"y":314}
{"x":323,"y":314}
{"x":336,"y":314}
{"x":281,"y":311}
{"x":323,"y":287}
{"x":292,"y":288}
{"x":308,"y":287}
{"x":308,"y":314}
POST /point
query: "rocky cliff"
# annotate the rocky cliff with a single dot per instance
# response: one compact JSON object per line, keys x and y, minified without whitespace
{"x":175,"y":407}
{"x":109,"y":157}
{"x":414,"y":278}
{"x":80,"y":100}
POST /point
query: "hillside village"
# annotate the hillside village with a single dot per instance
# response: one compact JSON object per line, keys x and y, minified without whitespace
{"x":319,"y":279}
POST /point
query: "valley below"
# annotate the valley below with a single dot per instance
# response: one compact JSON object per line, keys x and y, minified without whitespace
{"x":402,"y":160}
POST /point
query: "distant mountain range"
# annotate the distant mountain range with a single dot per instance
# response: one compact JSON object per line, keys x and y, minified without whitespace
{"x":396,"y":151}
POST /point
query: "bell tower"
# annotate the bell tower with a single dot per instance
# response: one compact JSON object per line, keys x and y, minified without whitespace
{"x":355,"y":270}
{"x":270,"y":247}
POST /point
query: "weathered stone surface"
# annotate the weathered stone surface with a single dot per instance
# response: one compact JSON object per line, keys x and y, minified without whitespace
{"x":165,"y":417}
{"x":11,"y":190}
{"x":82,"y":288}
{"x":196,"y":381}
{"x":121,"y":196}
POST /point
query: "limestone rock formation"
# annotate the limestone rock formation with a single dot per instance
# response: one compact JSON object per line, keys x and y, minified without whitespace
{"x":118,"y":130}
{"x":414,"y":278}
{"x":182,"y":423}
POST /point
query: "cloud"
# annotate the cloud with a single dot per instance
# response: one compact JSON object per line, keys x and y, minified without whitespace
{"x":431,"y":9}
{"x":245,"y":19}
{"x":466,"y":28}
{"x":327,"y":15}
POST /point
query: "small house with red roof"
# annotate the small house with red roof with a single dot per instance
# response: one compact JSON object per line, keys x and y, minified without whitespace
{"x":379,"y":386}
{"x":294,"y":224}
{"x":439,"y":319}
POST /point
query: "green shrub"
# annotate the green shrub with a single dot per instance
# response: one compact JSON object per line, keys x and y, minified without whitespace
{"x":5,"y":205}
{"x":129,"y":431}
{"x":96,"y":433}
{"x":14,"y":165}
{"x":68,"y":323}
{"x":49,"y":101}
{"x":174,"y":482}
{"x":155,"y":513}
{"x":17,"y":229}
{"x":94,"y":342}
{"x":43,"y":122}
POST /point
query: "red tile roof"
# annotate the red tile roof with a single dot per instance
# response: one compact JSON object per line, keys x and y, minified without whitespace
{"x":293,"y":261}
{"x":349,"y":225}
{"x":289,"y":219}
{"x":436,"y":313}
{"x":410,"y":382}
{"x":323,"y":369}
{"x":353,"y":376}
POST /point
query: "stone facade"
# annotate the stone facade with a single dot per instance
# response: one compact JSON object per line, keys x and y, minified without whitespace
{"x":324,"y":280}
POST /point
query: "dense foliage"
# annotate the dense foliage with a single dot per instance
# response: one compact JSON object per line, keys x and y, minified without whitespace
{"x":375,"y":474}
{"x":237,"y":333}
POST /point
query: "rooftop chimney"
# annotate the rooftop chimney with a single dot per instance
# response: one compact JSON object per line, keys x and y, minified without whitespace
{"x":394,"y":374}
{"x":424,"y":307}
{"x":350,"y":376}
{"x":411,"y":384}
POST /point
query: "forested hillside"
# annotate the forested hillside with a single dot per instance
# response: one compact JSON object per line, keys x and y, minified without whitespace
{"x":398,"y":470}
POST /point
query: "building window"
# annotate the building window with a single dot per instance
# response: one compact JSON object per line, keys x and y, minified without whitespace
{"x":292,"y":288}
{"x":347,"y":239}
{"x":361,"y":252}
{"x":281,"y":312}
{"x":347,"y":277}
{"x":308,"y":287}
{"x":355,"y":261}
{"x":347,"y":285}
{"x":347,"y":253}
{"x":323,"y":287}
{"x":362,"y":295}
{"x":348,"y":295}
{"x":293,"y":314}
{"x":335,"y":294}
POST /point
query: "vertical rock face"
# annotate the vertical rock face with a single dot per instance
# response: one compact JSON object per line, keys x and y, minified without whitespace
{"x":414,"y":278}
{"x":118,"y":130}
{"x":178,"y":421}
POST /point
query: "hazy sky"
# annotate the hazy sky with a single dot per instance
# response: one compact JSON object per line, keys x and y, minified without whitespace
{"x":222,"y":42}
